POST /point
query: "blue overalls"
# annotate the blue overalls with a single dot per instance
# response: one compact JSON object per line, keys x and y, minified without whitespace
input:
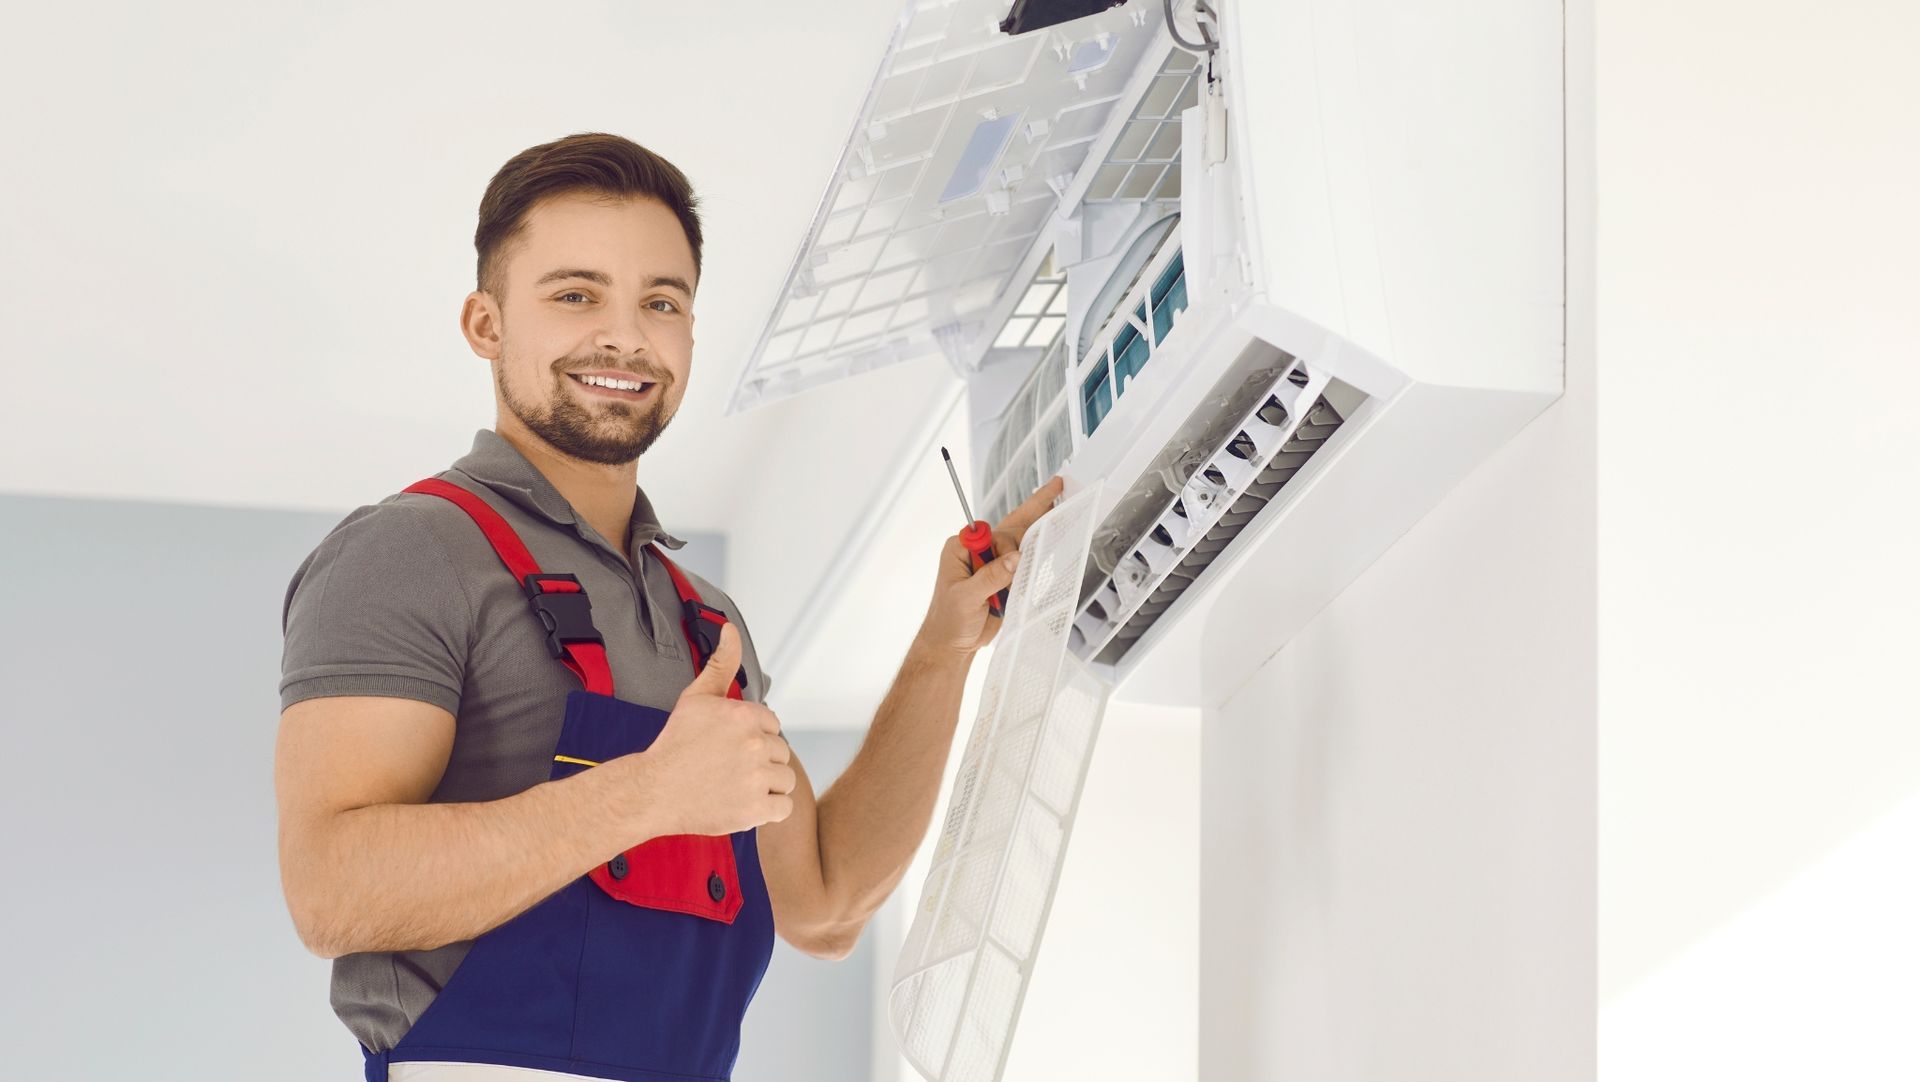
{"x":642,"y":969}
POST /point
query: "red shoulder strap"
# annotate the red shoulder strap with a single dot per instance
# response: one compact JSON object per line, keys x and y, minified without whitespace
{"x":569,"y":623}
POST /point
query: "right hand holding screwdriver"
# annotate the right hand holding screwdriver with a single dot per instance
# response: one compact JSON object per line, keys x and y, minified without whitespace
{"x":719,"y":765}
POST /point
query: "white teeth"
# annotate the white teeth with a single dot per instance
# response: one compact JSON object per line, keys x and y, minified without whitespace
{"x":616,"y":384}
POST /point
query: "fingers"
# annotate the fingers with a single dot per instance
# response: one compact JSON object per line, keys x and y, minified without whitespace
{"x":780,"y":808}
{"x":993,"y":578}
{"x":955,"y":561}
{"x":1028,"y":513}
{"x":1004,"y":543}
{"x":781,"y":780}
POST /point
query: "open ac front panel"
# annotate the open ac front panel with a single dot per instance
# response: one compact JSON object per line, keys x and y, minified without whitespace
{"x":1367,"y":252}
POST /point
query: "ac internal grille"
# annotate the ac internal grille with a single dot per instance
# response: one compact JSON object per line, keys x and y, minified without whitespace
{"x":1219,"y":494}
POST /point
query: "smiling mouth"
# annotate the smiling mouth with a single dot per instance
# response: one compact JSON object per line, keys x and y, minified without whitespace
{"x":646,"y":387}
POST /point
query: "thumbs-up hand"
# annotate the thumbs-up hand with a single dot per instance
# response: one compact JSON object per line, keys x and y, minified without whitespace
{"x":719,"y":765}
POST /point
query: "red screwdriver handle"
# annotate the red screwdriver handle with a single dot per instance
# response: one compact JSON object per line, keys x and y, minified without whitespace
{"x":978,"y":538}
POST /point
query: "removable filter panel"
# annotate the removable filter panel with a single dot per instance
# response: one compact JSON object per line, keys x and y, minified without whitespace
{"x":963,"y":970}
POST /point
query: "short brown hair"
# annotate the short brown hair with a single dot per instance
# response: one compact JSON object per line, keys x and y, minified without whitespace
{"x":582,"y":162}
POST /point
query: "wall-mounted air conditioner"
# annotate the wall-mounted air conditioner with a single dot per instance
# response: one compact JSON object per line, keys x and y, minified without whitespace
{"x":1279,"y":295}
{"x":1261,"y":280}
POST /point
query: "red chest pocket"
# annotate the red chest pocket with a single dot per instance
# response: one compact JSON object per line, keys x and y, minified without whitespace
{"x":683,"y":873}
{"x":686,"y":873}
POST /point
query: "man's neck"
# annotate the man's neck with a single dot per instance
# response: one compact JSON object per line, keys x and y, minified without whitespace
{"x":602,"y":496}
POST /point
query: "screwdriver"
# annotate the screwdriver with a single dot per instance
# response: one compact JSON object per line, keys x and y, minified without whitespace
{"x":977,"y":537}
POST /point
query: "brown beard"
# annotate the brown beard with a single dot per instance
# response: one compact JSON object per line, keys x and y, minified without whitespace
{"x":611,"y":434}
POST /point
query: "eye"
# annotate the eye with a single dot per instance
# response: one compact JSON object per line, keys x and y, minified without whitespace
{"x":570,"y":293}
{"x":670,"y":306}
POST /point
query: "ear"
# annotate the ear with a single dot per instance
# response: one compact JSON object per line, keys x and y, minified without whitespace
{"x":480,"y":323}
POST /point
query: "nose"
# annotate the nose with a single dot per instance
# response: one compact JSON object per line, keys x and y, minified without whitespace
{"x":623,"y":335}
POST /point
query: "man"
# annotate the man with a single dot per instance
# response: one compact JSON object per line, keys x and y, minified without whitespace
{"x":538,"y":833}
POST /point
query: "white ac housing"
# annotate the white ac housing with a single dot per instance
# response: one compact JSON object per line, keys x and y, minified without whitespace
{"x":1261,"y":307}
{"x":1368,"y":201}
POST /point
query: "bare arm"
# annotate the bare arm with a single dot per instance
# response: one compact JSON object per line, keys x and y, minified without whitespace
{"x":366,"y":865}
{"x":803,"y":913}
{"x":875,"y":815}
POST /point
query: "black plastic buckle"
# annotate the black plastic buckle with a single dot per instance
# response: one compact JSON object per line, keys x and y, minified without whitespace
{"x":567,"y":615}
{"x":706,"y":633}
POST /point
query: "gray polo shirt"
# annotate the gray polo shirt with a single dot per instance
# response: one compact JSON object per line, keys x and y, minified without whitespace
{"x":406,"y":598}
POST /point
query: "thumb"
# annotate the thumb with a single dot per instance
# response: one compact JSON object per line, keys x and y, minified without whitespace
{"x":998,"y":575}
{"x":717,"y":674}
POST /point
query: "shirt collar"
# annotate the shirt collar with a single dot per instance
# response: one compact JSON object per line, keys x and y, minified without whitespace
{"x":500,"y":466}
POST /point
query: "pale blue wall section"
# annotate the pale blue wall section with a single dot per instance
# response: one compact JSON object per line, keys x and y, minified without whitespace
{"x":144,"y":930}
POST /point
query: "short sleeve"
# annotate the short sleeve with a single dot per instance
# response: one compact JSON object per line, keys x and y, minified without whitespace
{"x":377,"y":609}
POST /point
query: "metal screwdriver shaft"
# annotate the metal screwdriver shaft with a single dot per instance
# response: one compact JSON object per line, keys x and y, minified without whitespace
{"x":957,"y":490}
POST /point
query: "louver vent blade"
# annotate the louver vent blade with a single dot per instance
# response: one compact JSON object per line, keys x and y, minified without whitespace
{"x":1137,"y":576}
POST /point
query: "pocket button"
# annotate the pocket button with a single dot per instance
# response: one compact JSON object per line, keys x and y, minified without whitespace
{"x":715,"y":886}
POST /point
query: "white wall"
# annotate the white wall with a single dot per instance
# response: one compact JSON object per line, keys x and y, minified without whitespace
{"x":1118,"y":973}
{"x":1758,"y":269}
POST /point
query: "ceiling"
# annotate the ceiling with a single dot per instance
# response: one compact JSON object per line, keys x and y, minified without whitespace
{"x":236,"y":239}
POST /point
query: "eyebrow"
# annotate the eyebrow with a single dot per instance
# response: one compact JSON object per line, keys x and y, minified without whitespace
{"x":602,"y":279}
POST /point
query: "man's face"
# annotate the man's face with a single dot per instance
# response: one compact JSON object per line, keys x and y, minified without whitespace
{"x":595,"y":286}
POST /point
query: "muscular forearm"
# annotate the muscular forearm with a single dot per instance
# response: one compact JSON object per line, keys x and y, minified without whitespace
{"x":874,"y":817}
{"x":416,"y":876}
